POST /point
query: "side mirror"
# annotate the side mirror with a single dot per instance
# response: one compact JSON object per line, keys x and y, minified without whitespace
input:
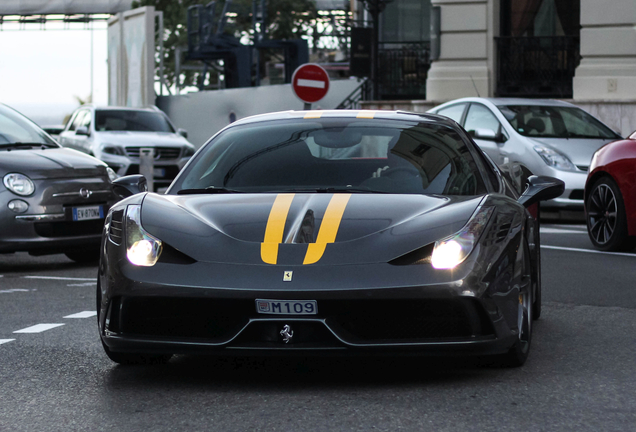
{"x":82,"y":130}
{"x":130,"y":185}
{"x":182,"y":132}
{"x":488,"y":135}
{"x":541,"y":188}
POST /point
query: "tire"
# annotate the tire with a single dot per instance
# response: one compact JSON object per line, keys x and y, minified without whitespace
{"x":128,"y":358}
{"x":606,"y":219}
{"x":536,"y":275}
{"x":83,"y":256}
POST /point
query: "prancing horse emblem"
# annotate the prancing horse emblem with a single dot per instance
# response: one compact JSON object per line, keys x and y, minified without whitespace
{"x":287,"y":333}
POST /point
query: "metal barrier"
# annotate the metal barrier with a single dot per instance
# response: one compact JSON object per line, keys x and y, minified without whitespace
{"x":537,"y":66}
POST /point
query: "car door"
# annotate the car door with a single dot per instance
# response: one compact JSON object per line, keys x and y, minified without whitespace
{"x":84,"y":142}
{"x":482,"y":124}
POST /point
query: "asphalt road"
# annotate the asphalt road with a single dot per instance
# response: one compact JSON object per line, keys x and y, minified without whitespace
{"x":580,"y":374}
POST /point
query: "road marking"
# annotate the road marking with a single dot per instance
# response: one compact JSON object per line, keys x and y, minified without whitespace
{"x":59,"y":278}
{"x":561,"y":231}
{"x":85,"y":314}
{"x":4,"y":341}
{"x":84,"y":284}
{"x":588,"y":251}
{"x":38,"y":328}
{"x":13,"y":290}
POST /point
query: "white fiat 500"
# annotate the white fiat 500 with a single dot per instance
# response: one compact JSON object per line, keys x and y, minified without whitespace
{"x":547,"y":137}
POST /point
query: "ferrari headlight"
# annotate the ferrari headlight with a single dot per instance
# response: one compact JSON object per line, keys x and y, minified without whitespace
{"x":142,"y":249}
{"x":19,"y":184}
{"x":555,"y":159}
{"x":452,"y":251}
{"x":112,"y":175}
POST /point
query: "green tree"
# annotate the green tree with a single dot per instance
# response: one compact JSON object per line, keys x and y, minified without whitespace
{"x":286,"y":19}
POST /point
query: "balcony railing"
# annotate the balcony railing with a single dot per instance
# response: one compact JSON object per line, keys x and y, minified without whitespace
{"x":536,"y":66}
{"x":402,"y":70}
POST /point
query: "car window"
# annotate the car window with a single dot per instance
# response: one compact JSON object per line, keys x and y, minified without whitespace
{"x":77,"y":121}
{"x":131,"y":120}
{"x":480,"y":117}
{"x":86,"y":120}
{"x":375,"y":156}
{"x":555,"y":122}
{"x":14,"y":128}
{"x":454,"y":112}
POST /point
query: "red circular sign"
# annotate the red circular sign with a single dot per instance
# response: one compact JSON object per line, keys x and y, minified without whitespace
{"x":310,"y":82}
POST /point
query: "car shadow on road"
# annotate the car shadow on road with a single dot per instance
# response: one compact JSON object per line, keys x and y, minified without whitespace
{"x":25,"y":263}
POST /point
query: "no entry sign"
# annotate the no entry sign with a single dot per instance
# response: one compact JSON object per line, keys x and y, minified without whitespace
{"x":310,"y":82}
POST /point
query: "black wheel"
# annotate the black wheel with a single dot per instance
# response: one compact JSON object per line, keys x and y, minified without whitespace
{"x":606,"y":220}
{"x":83,"y":256}
{"x":536,"y":273}
{"x":128,"y":358}
{"x":518,"y":353}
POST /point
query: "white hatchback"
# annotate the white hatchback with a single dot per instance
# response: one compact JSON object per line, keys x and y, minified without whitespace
{"x":116,"y":136}
{"x":547,"y":137}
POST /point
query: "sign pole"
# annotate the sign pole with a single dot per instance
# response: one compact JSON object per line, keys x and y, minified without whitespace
{"x":307,"y":106}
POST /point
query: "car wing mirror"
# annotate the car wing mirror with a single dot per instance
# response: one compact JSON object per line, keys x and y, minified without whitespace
{"x":82,"y":130}
{"x":130,"y":185}
{"x":541,"y":188}
{"x":183,"y":133}
{"x":488,"y":135}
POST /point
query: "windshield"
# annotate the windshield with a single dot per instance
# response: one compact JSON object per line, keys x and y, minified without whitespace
{"x":555,"y":122}
{"x":130,"y":120}
{"x":15,"y":129}
{"x":336,"y":154}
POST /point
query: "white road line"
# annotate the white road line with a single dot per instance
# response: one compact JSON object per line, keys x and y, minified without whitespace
{"x":3,"y":341}
{"x":13,"y":290}
{"x":58,"y":278}
{"x":588,"y":251}
{"x":560,"y":231}
{"x":38,"y":328}
{"x":84,"y":284}
{"x":85,"y":314}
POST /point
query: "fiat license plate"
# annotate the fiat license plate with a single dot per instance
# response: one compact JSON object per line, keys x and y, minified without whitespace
{"x":88,"y":213}
{"x":287,"y":307}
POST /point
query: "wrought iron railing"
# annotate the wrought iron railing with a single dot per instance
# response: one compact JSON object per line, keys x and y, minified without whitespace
{"x":536,"y":66}
{"x":362,"y":92}
{"x":402,"y":70}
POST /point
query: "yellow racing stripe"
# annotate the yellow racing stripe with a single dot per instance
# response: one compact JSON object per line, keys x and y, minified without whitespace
{"x":316,"y":114}
{"x":366,"y":114}
{"x":275,"y":228}
{"x":328,"y":228}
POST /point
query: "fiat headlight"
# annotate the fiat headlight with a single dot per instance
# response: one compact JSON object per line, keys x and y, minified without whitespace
{"x":451,"y":252}
{"x":555,"y":159}
{"x":19,"y":184}
{"x":112,"y":175}
{"x":142,"y":249}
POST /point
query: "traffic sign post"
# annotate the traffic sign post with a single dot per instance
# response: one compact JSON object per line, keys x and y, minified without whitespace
{"x":310,"y":83}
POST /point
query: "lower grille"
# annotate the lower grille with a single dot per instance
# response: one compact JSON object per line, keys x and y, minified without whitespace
{"x":401,"y":320}
{"x":69,"y":229}
{"x":207,"y":319}
{"x":576,"y":194}
{"x":171,"y":171}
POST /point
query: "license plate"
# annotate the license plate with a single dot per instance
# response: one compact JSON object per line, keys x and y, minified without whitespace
{"x":287,"y":307}
{"x":88,"y":213}
{"x":159,"y":172}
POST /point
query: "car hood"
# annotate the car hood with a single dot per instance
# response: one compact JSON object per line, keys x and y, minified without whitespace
{"x":51,"y":163}
{"x":126,"y":138}
{"x":578,"y":150}
{"x":373,"y":227}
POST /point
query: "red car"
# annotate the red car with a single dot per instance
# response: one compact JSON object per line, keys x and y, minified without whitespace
{"x":610,"y":196}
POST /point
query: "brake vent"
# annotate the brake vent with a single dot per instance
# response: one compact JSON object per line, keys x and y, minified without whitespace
{"x":422,"y":255}
{"x":116,"y":228}
{"x":502,"y":232}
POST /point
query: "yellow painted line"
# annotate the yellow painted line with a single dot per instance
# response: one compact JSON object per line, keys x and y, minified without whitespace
{"x":328,"y":227}
{"x":366,"y":114}
{"x":313,"y":114}
{"x":275,"y":228}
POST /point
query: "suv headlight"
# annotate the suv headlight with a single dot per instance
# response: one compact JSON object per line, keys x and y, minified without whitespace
{"x":113,"y":150}
{"x":188,"y":151}
{"x":142,"y":249}
{"x":452,"y":251}
{"x":19,"y":184}
{"x":112,"y":175}
{"x":555,"y":159}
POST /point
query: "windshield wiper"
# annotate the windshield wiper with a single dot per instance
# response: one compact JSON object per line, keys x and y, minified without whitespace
{"x":208,"y":190}
{"x":334,"y":190}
